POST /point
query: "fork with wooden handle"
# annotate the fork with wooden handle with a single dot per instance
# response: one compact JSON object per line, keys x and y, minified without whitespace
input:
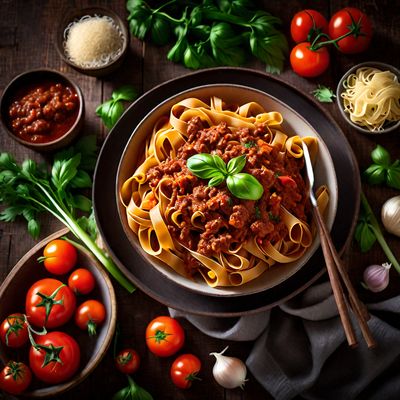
{"x":336,"y":270}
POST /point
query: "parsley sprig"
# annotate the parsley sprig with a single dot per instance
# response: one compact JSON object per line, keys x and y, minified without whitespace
{"x":29,"y":189}
{"x":324,"y":94}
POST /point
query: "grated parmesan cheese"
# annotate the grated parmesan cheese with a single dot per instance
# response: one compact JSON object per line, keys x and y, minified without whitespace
{"x":93,"y":41}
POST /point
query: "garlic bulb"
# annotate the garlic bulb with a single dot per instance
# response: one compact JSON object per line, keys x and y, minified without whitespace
{"x":390,"y":215}
{"x":229,"y":372}
{"x":376,"y":277}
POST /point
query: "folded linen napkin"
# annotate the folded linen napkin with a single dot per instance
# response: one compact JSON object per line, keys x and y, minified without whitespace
{"x":300,"y":348}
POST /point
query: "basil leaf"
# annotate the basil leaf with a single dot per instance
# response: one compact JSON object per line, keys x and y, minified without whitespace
{"x":393,"y":177}
{"x":81,"y":180}
{"x":217,"y":179}
{"x":219,"y":164}
{"x":203,"y":166}
{"x":160,"y":31}
{"x":244,"y":186}
{"x":364,"y":235}
{"x":235,"y":165}
{"x":380,"y":156}
{"x":115,"y":113}
{"x":375,"y":174}
{"x":64,"y":171}
{"x":126,"y":92}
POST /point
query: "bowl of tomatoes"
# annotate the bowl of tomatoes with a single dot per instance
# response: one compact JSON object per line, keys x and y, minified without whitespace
{"x":57,"y":318}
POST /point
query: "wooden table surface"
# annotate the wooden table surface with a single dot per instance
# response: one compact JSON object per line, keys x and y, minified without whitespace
{"x":27,"y":41}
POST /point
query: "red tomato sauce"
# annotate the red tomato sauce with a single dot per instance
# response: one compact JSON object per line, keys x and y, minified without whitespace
{"x":43,"y":112}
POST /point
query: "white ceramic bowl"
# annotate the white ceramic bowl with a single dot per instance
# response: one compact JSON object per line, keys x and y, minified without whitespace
{"x":293,"y":124}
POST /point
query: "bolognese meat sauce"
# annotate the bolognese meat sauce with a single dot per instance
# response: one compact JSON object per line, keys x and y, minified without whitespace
{"x":44,"y":112}
{"x":228,"y":220}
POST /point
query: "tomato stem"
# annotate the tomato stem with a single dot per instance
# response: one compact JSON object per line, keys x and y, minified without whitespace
{"x":48,"y":301}
{"x":160,"y":336}
{"x":354,"y":29}
{"x":15,"y":326}
{"x":91,"y":326}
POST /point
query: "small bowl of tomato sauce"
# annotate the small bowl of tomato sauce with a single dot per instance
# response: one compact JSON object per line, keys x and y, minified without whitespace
{"x":42,"y":109}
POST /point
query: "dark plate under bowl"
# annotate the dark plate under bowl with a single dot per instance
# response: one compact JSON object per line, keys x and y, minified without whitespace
{"x":151,"y":281}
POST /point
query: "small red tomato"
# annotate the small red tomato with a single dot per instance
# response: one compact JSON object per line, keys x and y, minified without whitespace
{"x":15,"y":377}
{"x":59,"y":257}
{"x":309,"y":63}
{"x":56,"y":359}
{"x":14,"y":330}
{"x":343,"y":22}
{"x":184,"y":370}
{"x":49,"y":303}
{"x":81,"y":281}
{"x":90,"y":315}
{"x":307,"y":24}
{"x":164,"y":336}
{"x":127,"y":361}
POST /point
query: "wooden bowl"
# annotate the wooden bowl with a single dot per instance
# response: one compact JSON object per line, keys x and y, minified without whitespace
{"x":75,"y":15}
{"x":26,"y":80}
{"x":12,"y":300}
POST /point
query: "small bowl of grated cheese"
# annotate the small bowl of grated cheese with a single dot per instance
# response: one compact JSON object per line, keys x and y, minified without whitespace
{"x":93,"y":40}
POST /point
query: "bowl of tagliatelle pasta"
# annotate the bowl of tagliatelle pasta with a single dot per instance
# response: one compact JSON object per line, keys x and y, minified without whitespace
{"x":212,"y":190}
{"x":368,"y":96}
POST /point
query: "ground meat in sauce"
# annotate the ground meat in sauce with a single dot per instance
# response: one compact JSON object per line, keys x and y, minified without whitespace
{"x":228,"y":220}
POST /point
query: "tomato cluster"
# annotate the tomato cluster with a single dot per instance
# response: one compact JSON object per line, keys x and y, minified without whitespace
{"x":164,"y":338}
{"x":54,"y":356}
{"x":350,"y":30}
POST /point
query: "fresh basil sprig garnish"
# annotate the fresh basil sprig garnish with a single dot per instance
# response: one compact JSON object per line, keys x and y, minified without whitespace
{"x":241,"y":185}
{"x":111,"y":110}
{"x":383,"y":170}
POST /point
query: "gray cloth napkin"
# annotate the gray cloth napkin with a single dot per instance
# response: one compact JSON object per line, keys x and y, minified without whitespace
{"x":300,"y":348}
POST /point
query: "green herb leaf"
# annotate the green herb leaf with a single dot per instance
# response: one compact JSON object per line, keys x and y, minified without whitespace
{"x":81,"y":202}
{"x":132,"y":392}
{"x":380,"y":156}
{"x":250,"y":144}
{"x":217,"y":179}
{"x":375,"y":174}
{"x":111,"y":110}
{"x":393,"y":177}
{"x":364,"y":235}
{"x":324,"y":94}
{"x":81,"y":180}
{"x":34,"y":228}
{"x":206,"y":166}
{"x":227,"y":46}
{"x":235,"y":165}
{"x":244,"y":186}
{"x":9,"y":214}
{"x":88,"y":224}
{"x":64,"y":171}
{"x":126,"y":92}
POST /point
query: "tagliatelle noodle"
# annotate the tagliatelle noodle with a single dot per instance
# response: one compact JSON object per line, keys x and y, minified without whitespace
{"x":149,"y":212}
{"x":372,"y":98}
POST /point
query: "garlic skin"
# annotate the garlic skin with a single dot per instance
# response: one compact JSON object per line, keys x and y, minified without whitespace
{"x":229,"y":372}
{"x":390,"y":215}
{"x":376,"y":277}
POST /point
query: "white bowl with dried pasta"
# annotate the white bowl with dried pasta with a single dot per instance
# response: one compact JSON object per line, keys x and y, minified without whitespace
{"x":368,"y":97}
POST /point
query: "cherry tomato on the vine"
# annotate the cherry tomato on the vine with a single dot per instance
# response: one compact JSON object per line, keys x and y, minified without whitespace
{"x":343,"y":22}
{"x":184,"y":370}
{"x":81,"y":281}
{"x":309,"y":63}
{"x":14,"y":330}
{"x":127,"y":361}
{"x":49,"y":303}
{"x":15,"y":377}
{"x":307,"y":24}
{"x":89,"y":315}
{"x":56,"y":359}
{"x":59,"y":257}
{"x":164,"y":336}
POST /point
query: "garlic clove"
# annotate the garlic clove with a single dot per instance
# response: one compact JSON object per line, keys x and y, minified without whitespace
{"x":376,"y":277}
{"x":229,"y":372}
